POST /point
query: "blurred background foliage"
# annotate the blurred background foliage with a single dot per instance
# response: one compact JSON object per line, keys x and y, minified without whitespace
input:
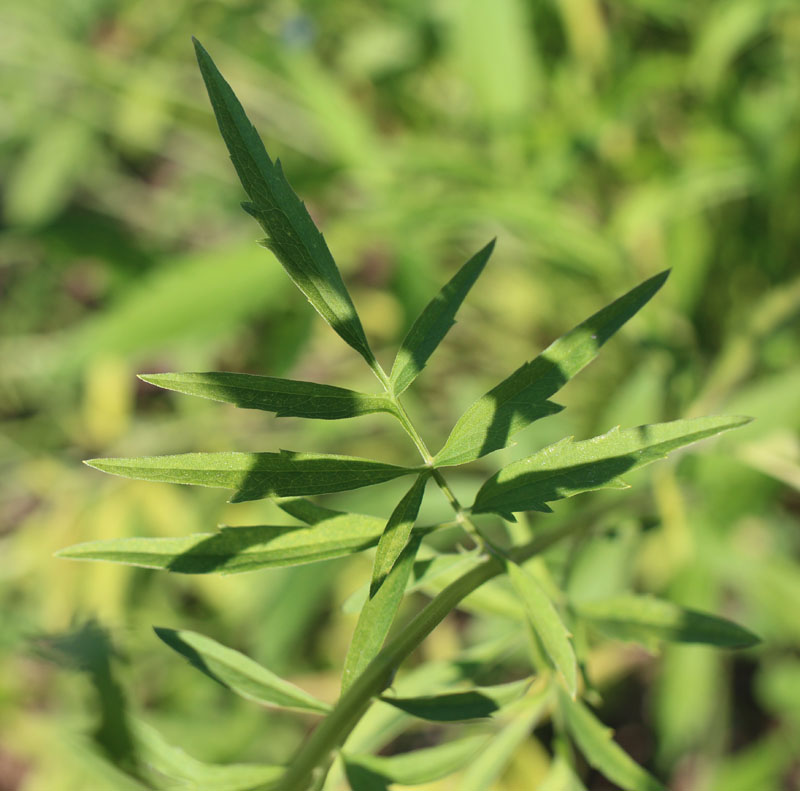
{"x":600,"y":142}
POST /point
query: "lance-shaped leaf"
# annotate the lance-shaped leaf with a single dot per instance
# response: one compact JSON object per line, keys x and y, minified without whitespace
{"x":568,"y":467}
{"x":601,"y":751}
{"x":397,"y":532}
{"x":468,"y":704}
{"x":239,"y":673}
{"x":284,"y":397}
{"x":257,"y":475}
{"x":520,"y":399}
{"x":547,"y":623}
{"x":433,"y":323}
{"x":291,"y":233}
{"x":421,"y":766}
{"x":237,"y":549}
{"x":644,"y":619}
{"x":377,"y":616}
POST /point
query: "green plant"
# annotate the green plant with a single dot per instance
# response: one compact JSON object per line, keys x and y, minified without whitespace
{"x":556,"y":472}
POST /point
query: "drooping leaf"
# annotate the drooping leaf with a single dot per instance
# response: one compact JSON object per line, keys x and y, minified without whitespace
{"x":568,"y":467}
{"x":421,"y":766}
{"x":237,"y":549}
{"x":284,"y":397}
{"x":257,"y":475}
{"x":601,"y":751}
{"x":469,"y":704}
{"x":434,"y":322}
{"x":645,"y":618}
{"x":398,"y":530}
{"x":239,"y":673}
{"x":311,"y":513}
{"x":547,"y":624}
{"x":521,"y":399}
{"x":377,"y":615}
{"x":291,"y":233}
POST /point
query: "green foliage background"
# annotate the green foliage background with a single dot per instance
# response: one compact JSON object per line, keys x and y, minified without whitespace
{"x":599,"y":142}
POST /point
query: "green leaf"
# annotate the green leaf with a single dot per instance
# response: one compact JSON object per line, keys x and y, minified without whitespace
{"x":421,"y":766}
{"x":547,"y":624}
{"x":434,"y":322}
{"x":645,"y":618}
{"x":238,"y":672}
{"x":469,"y":704}
{"x":291,"y":233}
{"x":601,"y":751}
{"x":236,"y":549}
{"x":568,"y":467}
{"x":561,"y":777}
{"x":397,"y":532}
{"x":520,"y":399}
{"x":377,"y":616}
{"x":257,"y":475}
{"x":285,"y":397}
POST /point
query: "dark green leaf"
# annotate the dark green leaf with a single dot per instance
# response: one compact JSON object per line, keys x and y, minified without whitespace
{"x":291,"y":233}
{"x":239,"y":673}
{"x":520,"y":399}
{"x":284,"y":397}
{"x":257,"y":475}
{"x":466,"y":705}
{"x":433,"y":323}
{"x":645,"y":618}
{"x":570,"y":467}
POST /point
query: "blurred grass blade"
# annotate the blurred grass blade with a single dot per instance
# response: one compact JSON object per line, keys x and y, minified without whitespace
{"x":291,"y":233}
{"x":432,"y":325}
{"x":645,"y":618}
{"x":237,"y":549}
{"x":377,"y":615}
{"x":561,"y":777}
{"x":547,"y":624}
{"x":601,"y":751}
{"x":238,"y":672}
{"x":466,"y":705}
{"x":284,"y":397}
{"x":521,"y":399}
{"x":257,"y":475}
{"x":398,"y":530}
{"x":421,"y":766}
{"x":568,"y":467}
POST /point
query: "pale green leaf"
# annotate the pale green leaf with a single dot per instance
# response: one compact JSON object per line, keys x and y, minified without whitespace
{"x":547,"y":624}
{"x":291,"y":233}
{"x":284,"y":397}
{"x":377,"y":616}
{"x":468,"y":704}
{"x":601,"y":751}
{"x":645,"y":618}
{"x":257,"y":475}
{"x":568,"y":467}
{"x":433,"y":323}
{"x":561,"y":777}
{"x":520,"y":399}
{"x":239,"y":673}
{"x":398,"y":530}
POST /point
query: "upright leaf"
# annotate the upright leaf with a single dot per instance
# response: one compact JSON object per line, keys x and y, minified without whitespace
{"x":433,"y":323}
{"x":547,"y":623}
{"x":568,"y":467}
{"x":601,"y":751}
{"x":284,"y":397}
{"x":291,"y":233}
{"x":239,"y":673}
{"x":257,"y":475}
{"x":377,"y":616}
{"x":397,"y":532}
{"x":520,"y":399}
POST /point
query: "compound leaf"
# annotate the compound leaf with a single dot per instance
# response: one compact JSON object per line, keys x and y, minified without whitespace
{"x":434,"y":322}
{"x":568,"y":467}
{"x":520,"y":399}
{"x":291,"y":233}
